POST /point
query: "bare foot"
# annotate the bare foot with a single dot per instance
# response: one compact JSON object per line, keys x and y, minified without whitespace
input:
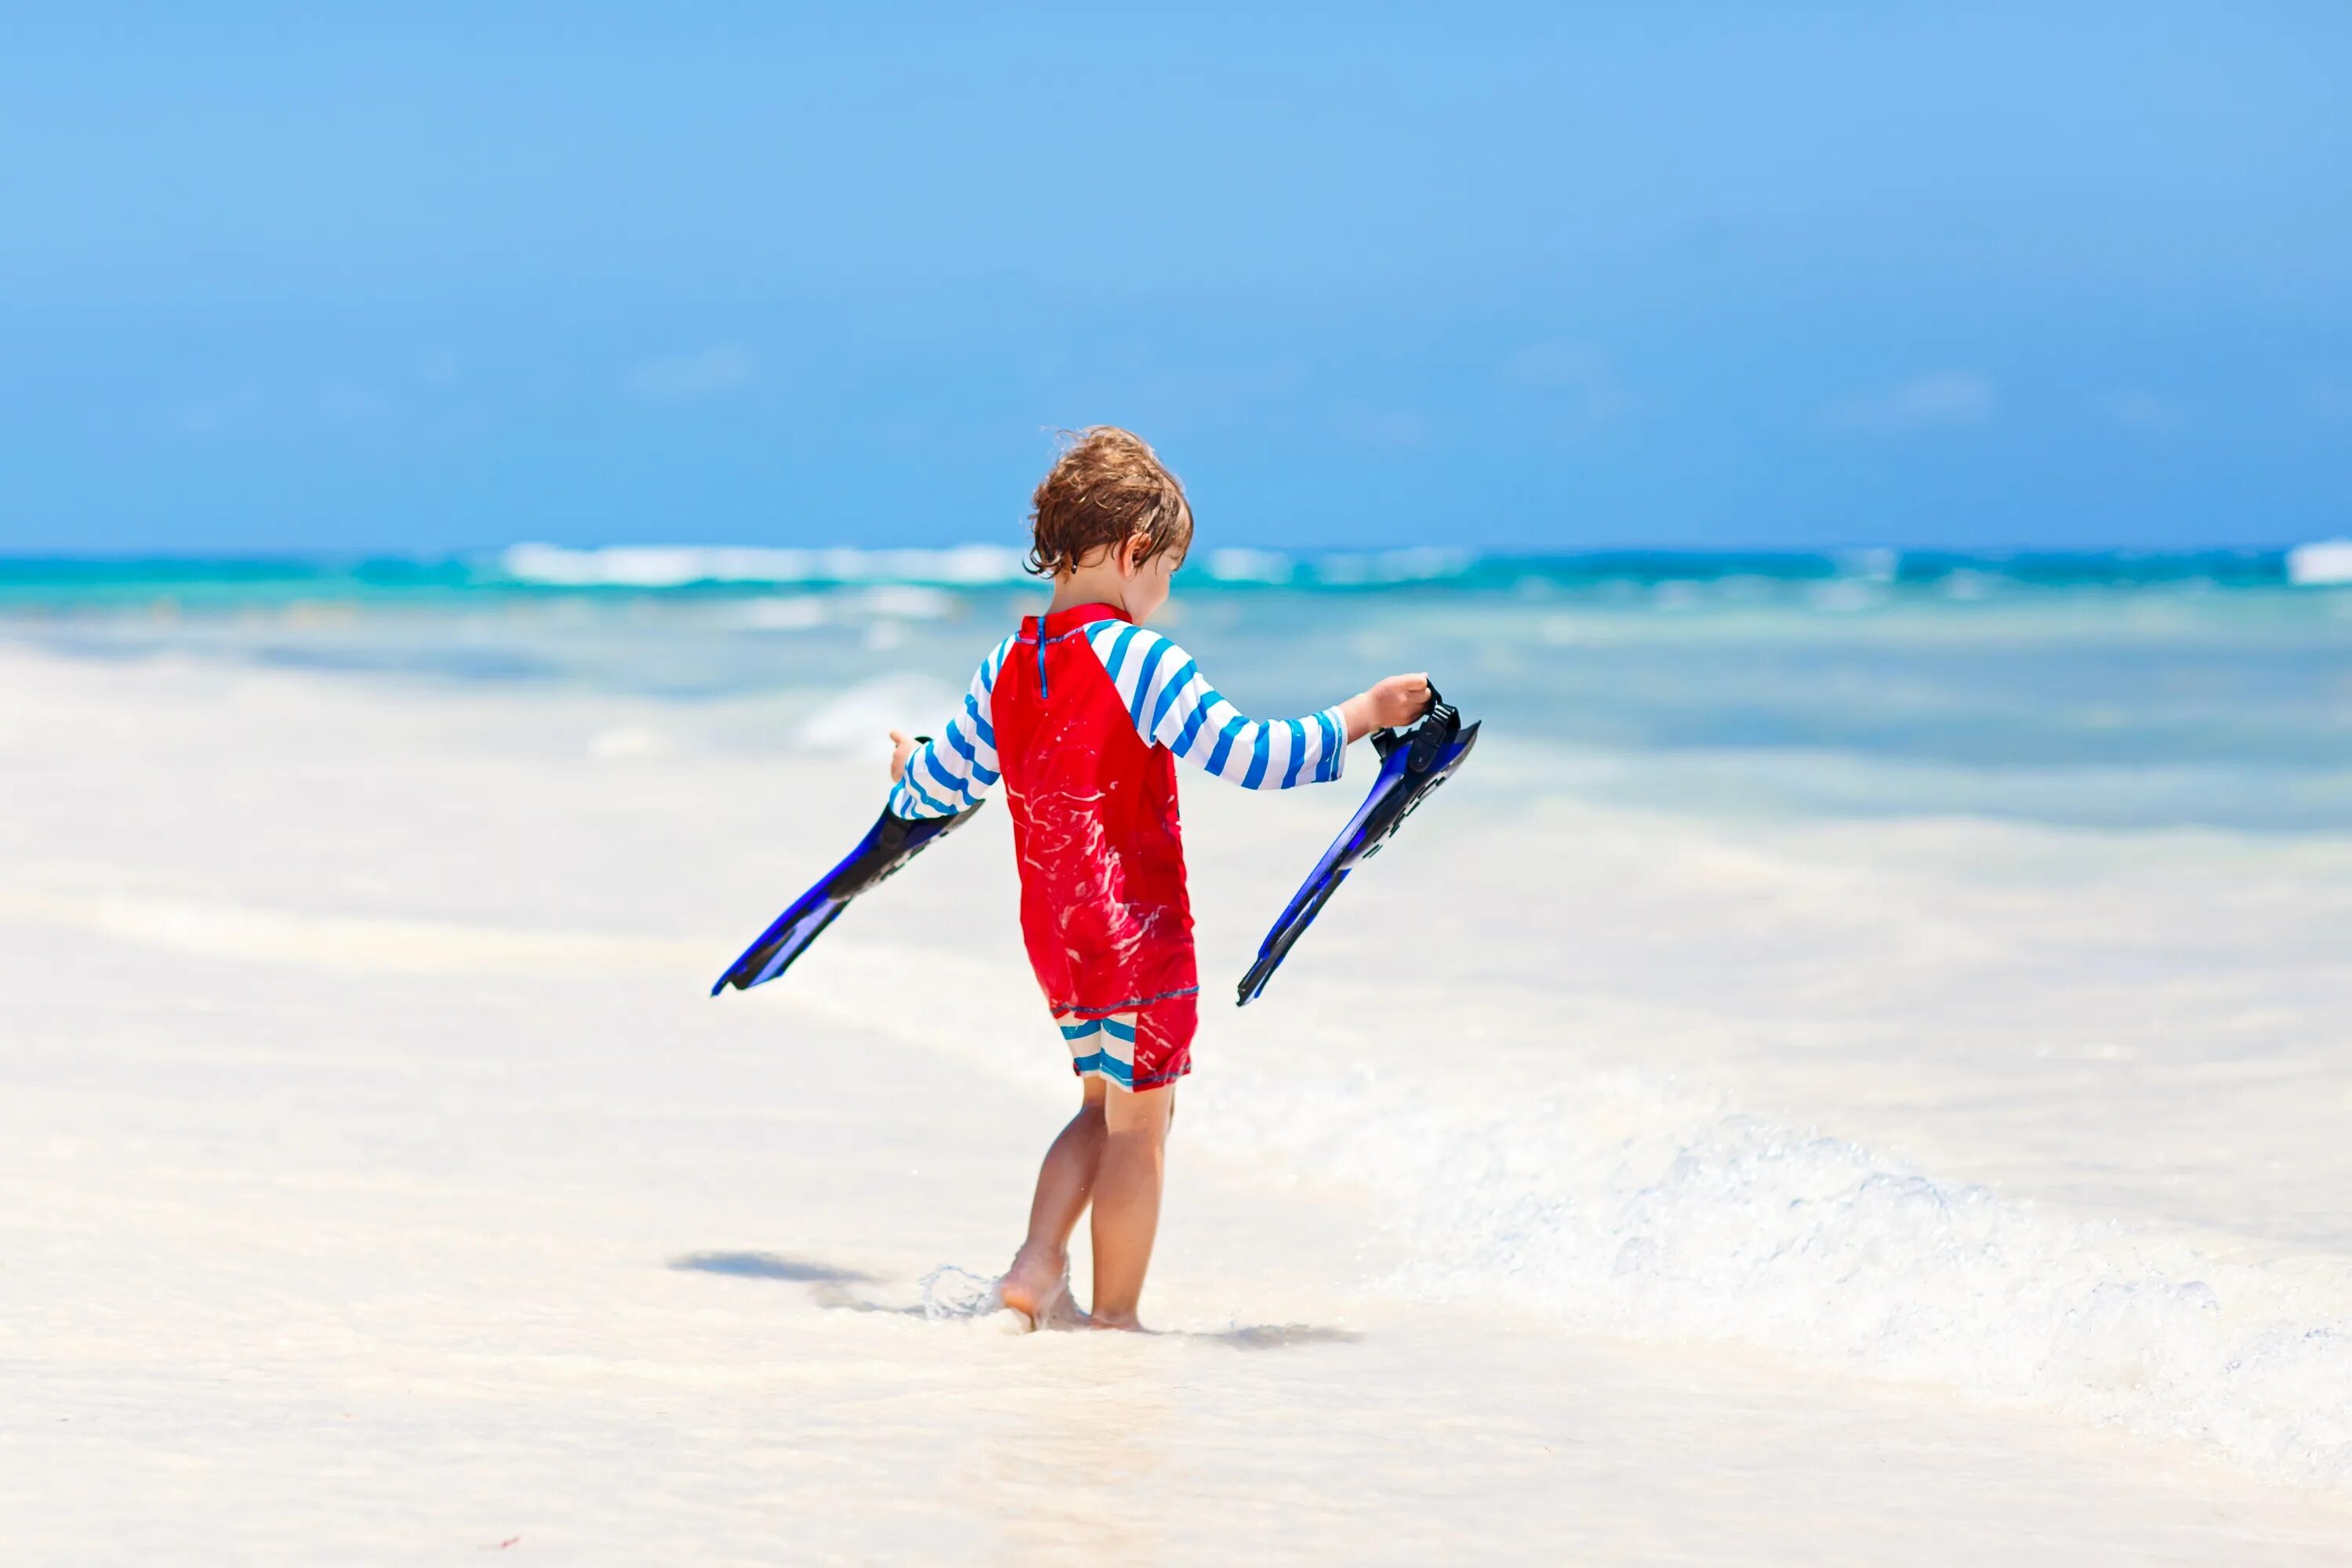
{"x":1130,"y":1324}
{"x":1038,"y":1288}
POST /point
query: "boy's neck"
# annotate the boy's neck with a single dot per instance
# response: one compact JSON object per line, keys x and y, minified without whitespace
{"x":1088,"y":585}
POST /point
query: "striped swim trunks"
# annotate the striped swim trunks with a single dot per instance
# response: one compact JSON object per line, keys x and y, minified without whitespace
{"x":1145,"y":1048}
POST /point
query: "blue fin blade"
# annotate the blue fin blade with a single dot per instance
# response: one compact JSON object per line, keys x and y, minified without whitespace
{"x":889,"y":845}
{"x":1395,"y":794}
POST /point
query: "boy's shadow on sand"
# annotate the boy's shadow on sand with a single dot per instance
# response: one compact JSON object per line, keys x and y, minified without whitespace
{"x":829,"y":1287}
{"x":769,"y":1266}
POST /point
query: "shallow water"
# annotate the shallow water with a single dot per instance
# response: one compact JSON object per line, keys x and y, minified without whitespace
{"x":1939,"y":978}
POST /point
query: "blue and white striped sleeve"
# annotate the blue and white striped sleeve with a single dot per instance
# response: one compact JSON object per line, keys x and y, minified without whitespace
{"x":956,"y":771}
{"x":1171,"y":705}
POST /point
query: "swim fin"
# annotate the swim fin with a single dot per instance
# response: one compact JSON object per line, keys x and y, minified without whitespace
{"x":890,"y":844}
{"x":1413,"y":762}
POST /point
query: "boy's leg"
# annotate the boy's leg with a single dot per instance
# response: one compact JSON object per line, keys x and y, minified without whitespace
{"x":1065,"y":1183}
{"x":1127,"y":1199}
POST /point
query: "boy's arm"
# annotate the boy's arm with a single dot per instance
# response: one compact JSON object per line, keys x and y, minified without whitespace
{"x":955,"y":771}
{"x":1174,"y":705}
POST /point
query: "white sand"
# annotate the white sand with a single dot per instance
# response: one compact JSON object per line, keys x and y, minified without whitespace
{"x":383,"y":1188}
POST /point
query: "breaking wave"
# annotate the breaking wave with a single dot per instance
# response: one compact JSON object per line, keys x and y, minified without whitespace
{"x":1640,"y":1212}
{"x":681,"y":566}
{"x":2321,"y":563}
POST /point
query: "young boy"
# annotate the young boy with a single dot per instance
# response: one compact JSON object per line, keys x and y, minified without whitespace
{"x":1084,"y":714}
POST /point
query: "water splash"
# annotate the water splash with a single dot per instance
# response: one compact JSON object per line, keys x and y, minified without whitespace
{"x":950,"y":1294}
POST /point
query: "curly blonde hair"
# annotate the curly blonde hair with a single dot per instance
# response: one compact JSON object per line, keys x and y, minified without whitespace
{"x":1107,"y":487}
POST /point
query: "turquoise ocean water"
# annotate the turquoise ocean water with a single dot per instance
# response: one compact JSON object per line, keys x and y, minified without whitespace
{"x":2097,"y":689}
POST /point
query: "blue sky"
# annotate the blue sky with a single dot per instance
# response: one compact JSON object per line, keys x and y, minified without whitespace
{"x":1547,"y":277}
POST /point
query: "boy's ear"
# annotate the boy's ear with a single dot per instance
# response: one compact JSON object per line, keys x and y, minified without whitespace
{"x":1138,"y":546}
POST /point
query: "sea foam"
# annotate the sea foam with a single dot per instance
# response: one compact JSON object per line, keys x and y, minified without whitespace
{"x":1623,"y":1206}
{"x":1619,"y":1203}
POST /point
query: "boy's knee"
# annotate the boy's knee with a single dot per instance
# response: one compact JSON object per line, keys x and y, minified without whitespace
{"x":1144,"y":1112}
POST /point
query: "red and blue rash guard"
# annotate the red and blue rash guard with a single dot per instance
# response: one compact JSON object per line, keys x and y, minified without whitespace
{"x":1084,"y":715}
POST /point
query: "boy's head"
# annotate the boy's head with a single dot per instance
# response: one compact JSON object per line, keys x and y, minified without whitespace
{"x":1107,"y":500}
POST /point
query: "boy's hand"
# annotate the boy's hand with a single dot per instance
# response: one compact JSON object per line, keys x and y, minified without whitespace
{"x":1391,"y":705}
{"x":902,"y":749}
